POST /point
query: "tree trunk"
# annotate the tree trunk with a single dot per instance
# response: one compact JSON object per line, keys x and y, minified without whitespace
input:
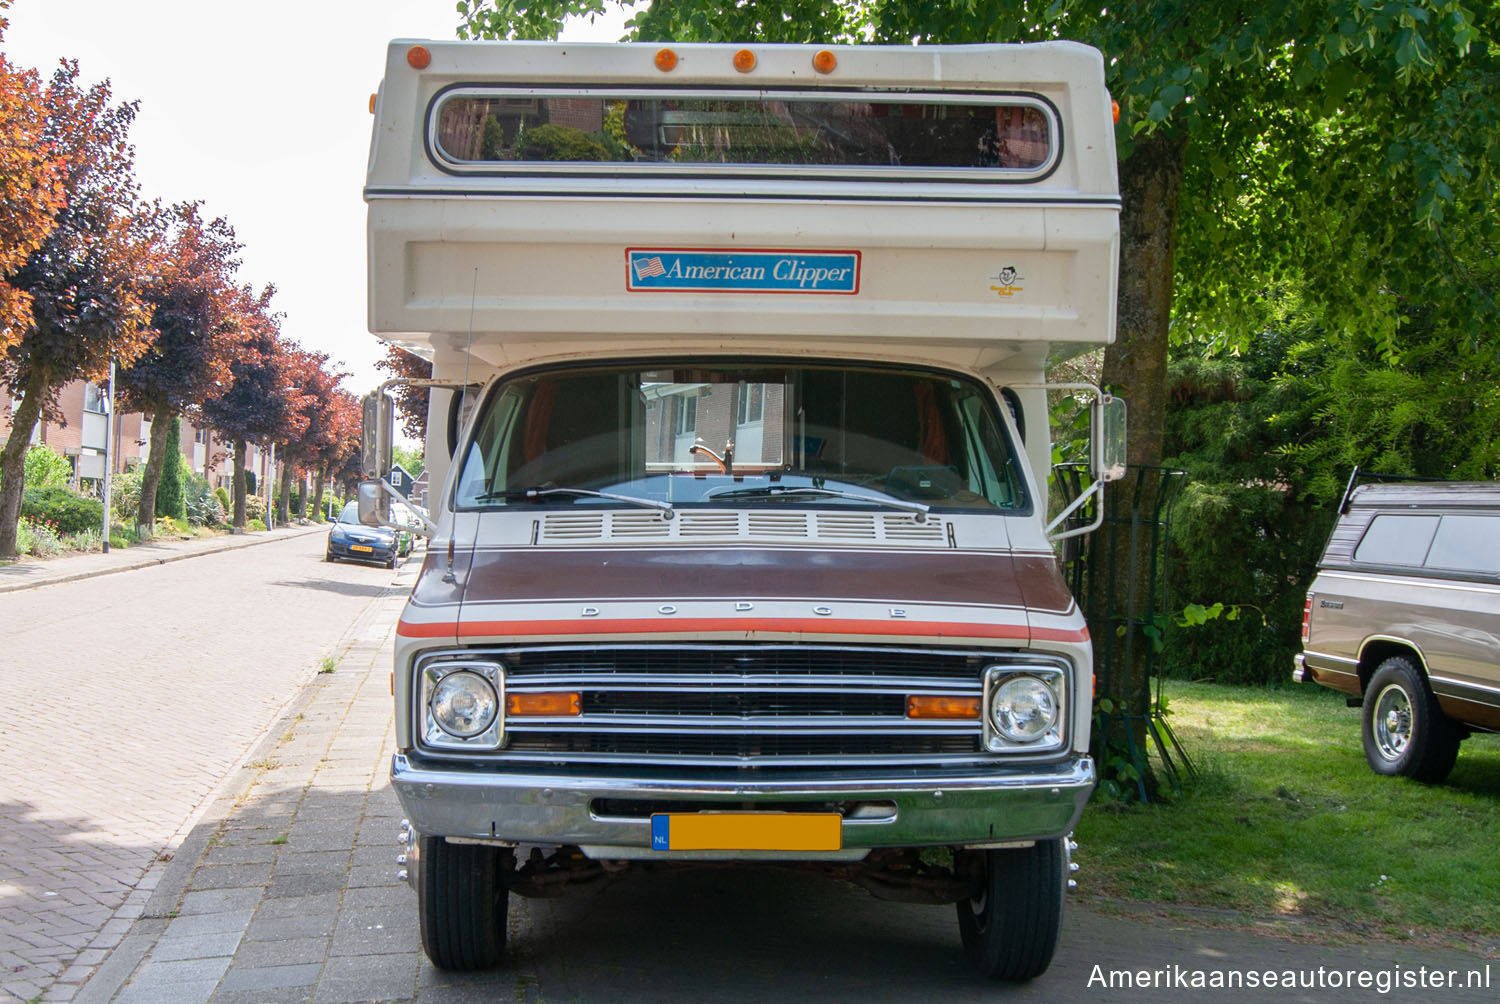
{"x":318,"y":513}
{"x":13,"y":461}
{"x":1135,"y":368}
{"x":145,"y":513}
{"x":238,"y":479}
{"x":284,"y":501}
{"x":302,"y":496}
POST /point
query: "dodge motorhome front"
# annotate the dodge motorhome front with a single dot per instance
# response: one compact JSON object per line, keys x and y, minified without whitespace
{"x":743,"y":551}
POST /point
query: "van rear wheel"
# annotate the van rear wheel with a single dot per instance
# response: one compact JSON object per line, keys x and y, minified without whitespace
{"x":1404,"y":730}
{"x":1010,"y":931}
{"x":463,"y":903}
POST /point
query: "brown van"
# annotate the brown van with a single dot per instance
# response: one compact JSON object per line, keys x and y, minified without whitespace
{"x":1404,"y":616}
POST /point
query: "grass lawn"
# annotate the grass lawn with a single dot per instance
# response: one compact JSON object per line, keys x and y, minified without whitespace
{"x":1287,"y":821}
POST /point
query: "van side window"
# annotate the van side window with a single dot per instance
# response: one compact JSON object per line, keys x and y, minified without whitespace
{"x":1397,"y":540}
{"x":1467,"y":543}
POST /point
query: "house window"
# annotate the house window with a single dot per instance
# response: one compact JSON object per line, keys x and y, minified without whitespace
{"x":95,"y":399}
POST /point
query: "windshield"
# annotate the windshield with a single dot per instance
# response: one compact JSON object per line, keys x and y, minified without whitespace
{"x":350,"y":513}
{"x":741,"y":434}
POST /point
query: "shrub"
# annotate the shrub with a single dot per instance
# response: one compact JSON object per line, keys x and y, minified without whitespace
{"x":88,"y":540}
{"x":222,"y":494}
{"x":171,"y":496}
{"x":166,"y":526}
{"x":125,"y":495}
{"x":46,"y":469}
{"x":255,"y":524}
{"x":203,"y":509}
{"x":70,"y":513}
{"x":255,"y":508}
{"x":37,"y":538}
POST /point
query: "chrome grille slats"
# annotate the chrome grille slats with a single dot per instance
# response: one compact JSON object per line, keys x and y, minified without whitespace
{"x":745,"y":705}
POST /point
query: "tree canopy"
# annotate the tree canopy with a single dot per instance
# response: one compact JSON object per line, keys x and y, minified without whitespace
{"x":86,"y":277}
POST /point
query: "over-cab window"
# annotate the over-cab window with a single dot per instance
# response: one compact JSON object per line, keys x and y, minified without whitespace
{"x":975,"y":134}
{"x":1397,"y":540}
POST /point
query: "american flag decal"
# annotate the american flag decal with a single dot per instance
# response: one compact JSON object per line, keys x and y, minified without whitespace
{"x":645,"y":268}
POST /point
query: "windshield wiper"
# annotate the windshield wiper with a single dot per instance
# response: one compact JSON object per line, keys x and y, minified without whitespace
{"x":536,"y":494}
{"x":786,"y":491}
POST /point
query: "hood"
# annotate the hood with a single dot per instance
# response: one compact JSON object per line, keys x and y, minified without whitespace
{"x":506,"y":594}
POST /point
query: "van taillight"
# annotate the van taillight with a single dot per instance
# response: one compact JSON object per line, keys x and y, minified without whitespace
{"x":1307,"y":619}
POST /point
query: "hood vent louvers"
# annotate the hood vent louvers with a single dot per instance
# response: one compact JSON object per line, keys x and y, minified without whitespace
{"x":731,"y":527}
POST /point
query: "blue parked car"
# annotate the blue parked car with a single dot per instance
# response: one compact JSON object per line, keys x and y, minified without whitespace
{"x":349,"y":538}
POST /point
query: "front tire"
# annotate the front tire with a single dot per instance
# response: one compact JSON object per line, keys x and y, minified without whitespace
{"x":1404,"y":730}
{"x":1010,"y":932}
{"x":463,"y":903}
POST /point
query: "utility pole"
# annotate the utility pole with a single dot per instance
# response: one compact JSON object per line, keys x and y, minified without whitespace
{"x":109,"y":438}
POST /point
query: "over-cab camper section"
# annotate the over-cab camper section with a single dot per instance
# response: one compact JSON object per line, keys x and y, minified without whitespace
{"x":537,"y":200}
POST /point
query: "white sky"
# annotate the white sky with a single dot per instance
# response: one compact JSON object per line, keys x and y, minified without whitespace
{"x":260,"y":110}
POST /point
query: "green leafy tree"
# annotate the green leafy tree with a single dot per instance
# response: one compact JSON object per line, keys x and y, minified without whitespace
{"x":411,"y":461}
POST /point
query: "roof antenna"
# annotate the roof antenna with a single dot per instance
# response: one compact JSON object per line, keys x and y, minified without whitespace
{"x":448,"y":575}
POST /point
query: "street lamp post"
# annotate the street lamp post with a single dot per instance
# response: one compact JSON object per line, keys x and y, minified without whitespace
{"x":109,"y":438}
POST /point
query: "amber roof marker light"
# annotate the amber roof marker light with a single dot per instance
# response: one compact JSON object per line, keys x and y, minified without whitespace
{"x":824,"y":61}
{"x":418,"y":58}
{"x":666,"y":60}
{"x":744,"y":60}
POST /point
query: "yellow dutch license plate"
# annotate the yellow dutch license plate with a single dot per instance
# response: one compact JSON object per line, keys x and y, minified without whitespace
{"x":747,"y":831}
{"x":362,"y":547}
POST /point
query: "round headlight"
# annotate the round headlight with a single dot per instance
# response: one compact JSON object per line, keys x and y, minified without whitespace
{"x":464,"y":704}
{"x":1024,"y":709}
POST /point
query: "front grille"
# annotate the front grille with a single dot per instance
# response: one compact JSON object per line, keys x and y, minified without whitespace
{"x":726,"y":705}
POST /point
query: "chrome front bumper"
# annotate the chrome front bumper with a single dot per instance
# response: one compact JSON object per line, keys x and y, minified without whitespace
{"x":1013,"y":803}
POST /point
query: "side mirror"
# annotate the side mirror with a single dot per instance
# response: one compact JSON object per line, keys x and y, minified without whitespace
{"x":377,"y":436}
{"x":1107,"y":438}
{"x":374,"y":504}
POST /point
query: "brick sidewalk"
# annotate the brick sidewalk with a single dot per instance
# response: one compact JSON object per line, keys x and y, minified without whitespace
{"x":287,"y":889}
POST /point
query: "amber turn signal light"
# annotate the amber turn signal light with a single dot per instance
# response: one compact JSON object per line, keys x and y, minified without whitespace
{"x":551,"y":705}
{"x":933,"y":706}
{"x":666,"y":60}
{"x":824,"y":61}
{"x":418,"y":58}
{"x":744,"y":60}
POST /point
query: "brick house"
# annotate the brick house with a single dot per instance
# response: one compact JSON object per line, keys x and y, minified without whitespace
{"x":80,"y":439}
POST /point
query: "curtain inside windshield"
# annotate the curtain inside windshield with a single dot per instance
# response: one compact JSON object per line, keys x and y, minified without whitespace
{"x":694,"y":434}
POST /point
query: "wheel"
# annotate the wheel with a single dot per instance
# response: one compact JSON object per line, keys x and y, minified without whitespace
{"x":329,"y":557}
{"x":392,"y":563}
{"x":462,"y":901}
{"x":1404,"y":730}
{"x":1010,"y":932}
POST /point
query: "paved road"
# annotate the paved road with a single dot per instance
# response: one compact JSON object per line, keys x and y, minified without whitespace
{"x":286,"y":892}
{"x":124,"y":700}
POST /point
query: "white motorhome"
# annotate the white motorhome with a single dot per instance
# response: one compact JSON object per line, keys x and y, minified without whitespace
{"x":743,"y":552}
